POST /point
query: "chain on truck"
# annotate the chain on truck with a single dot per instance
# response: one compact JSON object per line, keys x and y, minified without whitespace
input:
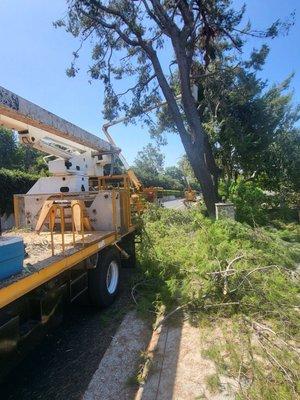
{"x":76,"y":227}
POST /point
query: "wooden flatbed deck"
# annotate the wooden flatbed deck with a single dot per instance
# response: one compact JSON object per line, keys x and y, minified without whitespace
{"x":40,"y":266}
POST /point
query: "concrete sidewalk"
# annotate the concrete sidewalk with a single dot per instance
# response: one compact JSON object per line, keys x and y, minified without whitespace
{"x":120,"y":362}
{"x":178,"y":371}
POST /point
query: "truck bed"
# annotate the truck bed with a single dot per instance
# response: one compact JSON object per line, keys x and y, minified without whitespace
{"x":40,"y":265}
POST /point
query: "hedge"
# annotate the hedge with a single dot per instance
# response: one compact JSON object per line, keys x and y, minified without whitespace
{"x":13,"y":182}
{"x":170,"y":192}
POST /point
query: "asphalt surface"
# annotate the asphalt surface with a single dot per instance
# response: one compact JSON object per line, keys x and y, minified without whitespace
{"x":63,"y":364}
{"x":175,"y":204}
{"x":178,"y":204}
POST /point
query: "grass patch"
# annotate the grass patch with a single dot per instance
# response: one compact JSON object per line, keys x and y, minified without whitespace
{"x":213,"y":383}
{"x":138,"y":379}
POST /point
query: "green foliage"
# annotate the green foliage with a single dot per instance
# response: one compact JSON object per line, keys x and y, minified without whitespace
{"x":8,"y":149}
{"x":126,"y":35}
{"x":13,"y":182}
{"x":256,"y":206}
{"x":182,"y":254}
{"x":189,"y":176}
{"x":213,"y":382}
{"x":150,"y":159}
{"x":250,"y":202}
{"x":253,"y":131}
{"x":225,"y":275}
{"x":204,"y":39}
{"x":152,"y":173}
{"x":14,"y":155}
{"x":252,"y":127}
{"x":149,"y":167}
{"x":265,"y":366}
{"x":15,"y":159}
{"x":159,"y":180}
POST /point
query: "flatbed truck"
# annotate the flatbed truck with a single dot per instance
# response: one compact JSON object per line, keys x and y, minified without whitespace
{"x":77,"y":232}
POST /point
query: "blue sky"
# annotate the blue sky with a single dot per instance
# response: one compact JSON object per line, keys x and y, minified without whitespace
{"x":34,"y":56}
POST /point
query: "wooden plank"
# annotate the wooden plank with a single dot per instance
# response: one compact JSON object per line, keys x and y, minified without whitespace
{"x":19,"y":288}
{"x":55,"y":267}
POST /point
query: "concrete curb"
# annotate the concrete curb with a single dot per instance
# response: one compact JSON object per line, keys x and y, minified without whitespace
{"x":151,"y":350}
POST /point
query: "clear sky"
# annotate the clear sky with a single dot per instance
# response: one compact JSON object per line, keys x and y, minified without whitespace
{"x":34,"y":56}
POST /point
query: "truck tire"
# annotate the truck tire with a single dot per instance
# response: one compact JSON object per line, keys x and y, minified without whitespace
{"x":104,"y":280}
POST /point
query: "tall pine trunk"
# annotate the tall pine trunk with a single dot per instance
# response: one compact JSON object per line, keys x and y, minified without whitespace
{"x":199,"y":159}
{"x":192,"y":135}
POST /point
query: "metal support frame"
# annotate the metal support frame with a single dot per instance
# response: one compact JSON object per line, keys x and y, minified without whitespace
{"x":103,"y":181}
{"x":52,"y":215}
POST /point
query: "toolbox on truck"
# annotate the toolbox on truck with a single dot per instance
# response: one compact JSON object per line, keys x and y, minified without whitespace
{"x":11,"y":256}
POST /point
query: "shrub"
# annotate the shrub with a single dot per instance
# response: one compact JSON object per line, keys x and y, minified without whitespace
{"x":13,"y":182}
{"x":250,"y":202}
{"x":176,"y":193}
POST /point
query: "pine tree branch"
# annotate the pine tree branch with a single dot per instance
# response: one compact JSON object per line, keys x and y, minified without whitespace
{"x":139,"y":84}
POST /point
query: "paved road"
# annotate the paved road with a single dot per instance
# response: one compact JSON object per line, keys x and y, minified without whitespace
{"x":178,"y":204}
{"x":61,"y":367}
{"x":175,"y":204}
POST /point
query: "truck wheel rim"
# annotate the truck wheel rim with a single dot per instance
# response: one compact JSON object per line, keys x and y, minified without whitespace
{"x":112,"y":277}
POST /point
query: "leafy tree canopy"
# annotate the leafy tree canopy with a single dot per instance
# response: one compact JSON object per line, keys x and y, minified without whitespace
{"x":149,"y":167}
{"x":144,"y":41}
{"x":14,"y":155}
{"x":150,"y":159}
{"x":252,"y":126}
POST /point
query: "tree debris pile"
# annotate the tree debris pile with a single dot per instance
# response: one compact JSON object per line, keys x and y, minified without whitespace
{"x":224,"y":269}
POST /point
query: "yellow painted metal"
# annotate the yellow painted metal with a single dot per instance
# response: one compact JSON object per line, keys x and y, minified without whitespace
{"x":51,"y":227}
{"x":52,"y":213}
{"x":25,"y":284}
{"x":62,"y":227}
{"x":114,"y":211}
{"x":17,"y":289}
{"x":126,"y":208}
{"x":104,"y":181}
{"x":134,"y":179}
{"x":80,"y":216}
{"x":190,"y":195}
